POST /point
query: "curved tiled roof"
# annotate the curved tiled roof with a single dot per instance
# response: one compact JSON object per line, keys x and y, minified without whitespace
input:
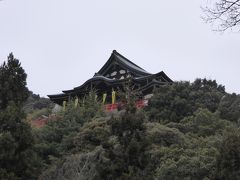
{"x":123,"y":61}
{"x":129,"y":63}
{"x":140,"y":76}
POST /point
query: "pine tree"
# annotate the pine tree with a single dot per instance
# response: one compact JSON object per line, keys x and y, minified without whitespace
{"x":17,"y":157}
{"x":12,"y":83}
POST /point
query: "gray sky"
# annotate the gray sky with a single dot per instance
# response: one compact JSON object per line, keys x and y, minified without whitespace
{"x":62,"y":43}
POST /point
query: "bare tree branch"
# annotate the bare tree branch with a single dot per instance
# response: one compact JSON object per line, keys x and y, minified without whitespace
{"x":223,"y":14}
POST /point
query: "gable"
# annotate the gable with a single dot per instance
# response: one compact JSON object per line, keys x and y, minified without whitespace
{"x":116,"y":71}
{"x":120,"y":67}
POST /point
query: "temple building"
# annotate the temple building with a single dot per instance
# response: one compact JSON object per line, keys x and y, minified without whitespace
{"x":112,"y":77}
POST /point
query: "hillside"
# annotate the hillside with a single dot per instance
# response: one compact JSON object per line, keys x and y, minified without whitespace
{"x":38,"y":109}
{"x":188,"y":131}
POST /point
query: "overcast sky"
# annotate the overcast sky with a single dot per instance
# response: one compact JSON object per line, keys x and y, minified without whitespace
{"x":62,"y":43}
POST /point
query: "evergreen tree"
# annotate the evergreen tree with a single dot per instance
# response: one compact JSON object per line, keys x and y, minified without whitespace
{"x":17,"y":157}
{"x":228,"y":160}
{"x":171,"y":103}
{"x":127,"y":155}
{"x":12,"y":83}
{"x":229,"y":107}
{"x":180,"y":136}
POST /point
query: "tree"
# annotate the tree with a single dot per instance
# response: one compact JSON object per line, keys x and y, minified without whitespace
{"x":171,"y":103}
{"x":12,"y":83}
{"x":57,"y":137}
{"x":180,"y":136}
{"x":35,"y":102}
{"x":228,"y":160}
{"x":17,"y":155}
{"x":110,"y":147}
{"x":225,"y":14}
{"x":229,"y":107}
{"x":77,"y":166}
{"x":18,"y":159}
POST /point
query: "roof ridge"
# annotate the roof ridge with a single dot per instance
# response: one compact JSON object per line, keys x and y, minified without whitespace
{"x":117,"y":53}
{"x":124,"y":61}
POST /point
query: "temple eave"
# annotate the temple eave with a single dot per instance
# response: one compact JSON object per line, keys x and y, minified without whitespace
{"x":113,"y":75}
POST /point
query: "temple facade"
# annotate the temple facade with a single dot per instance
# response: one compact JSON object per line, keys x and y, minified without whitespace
{"x":112,"y":77}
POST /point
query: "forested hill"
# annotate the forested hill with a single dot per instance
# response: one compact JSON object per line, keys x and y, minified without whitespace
{"x":188,"y":131}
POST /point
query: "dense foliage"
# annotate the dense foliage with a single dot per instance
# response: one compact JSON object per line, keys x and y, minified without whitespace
{"x":18,"y":160}
{"x":35,"y":103}
{"x":173,"y":103}
{"x":12,"y":83}
{"x":187,"y":131}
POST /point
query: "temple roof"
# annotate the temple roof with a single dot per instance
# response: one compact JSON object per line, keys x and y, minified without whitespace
{"x":117,"y":58}
{"x":104,"y":81}
{"x":117,"y":81}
